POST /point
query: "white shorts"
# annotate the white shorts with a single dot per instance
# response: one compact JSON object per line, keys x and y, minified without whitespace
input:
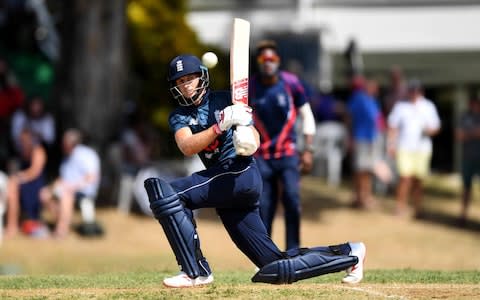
{"x":365,"y":155}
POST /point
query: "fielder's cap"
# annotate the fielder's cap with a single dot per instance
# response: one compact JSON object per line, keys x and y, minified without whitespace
{"x":414,"y":85}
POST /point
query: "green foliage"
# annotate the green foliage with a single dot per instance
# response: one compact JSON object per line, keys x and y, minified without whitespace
{"x":158,"y":32}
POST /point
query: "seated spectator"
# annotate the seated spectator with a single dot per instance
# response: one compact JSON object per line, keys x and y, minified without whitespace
{"x":78,"y":182}
{"x":3,"y":199}
{"x":24,"y":185}
{"x":37,"y":118}
{"x":135,"y":155}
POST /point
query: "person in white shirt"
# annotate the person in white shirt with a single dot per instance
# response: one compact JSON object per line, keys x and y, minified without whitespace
{"x":79,"y":179}
{"x":411,"y":124}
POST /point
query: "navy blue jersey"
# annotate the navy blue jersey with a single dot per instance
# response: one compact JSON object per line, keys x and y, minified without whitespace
{"x":275,"y":112}
{"x":203,"y":116}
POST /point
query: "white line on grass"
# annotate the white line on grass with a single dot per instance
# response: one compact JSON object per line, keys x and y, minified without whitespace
{"x":375,"y":293}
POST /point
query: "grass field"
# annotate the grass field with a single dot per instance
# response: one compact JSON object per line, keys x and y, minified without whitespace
{"x":392,"y":284}
{"x":407,"y":259}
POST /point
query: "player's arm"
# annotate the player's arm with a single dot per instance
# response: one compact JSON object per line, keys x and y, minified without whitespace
{"x":392,"y":134}
{"x":308,"y":129}
{"x":308,"y":126}
{"x":192,"y":143}
{"x":434,"y":124}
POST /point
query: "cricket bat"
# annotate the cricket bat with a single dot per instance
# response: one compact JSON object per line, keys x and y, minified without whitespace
{"x":239,"y":60}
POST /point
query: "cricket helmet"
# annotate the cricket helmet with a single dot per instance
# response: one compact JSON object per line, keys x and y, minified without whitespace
{"x":183,"y":65}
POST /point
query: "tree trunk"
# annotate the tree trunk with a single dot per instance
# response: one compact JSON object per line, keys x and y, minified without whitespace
{"x":92,"y":72}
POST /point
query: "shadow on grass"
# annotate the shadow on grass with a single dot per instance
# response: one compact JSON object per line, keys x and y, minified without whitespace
{"x":441,"y":218}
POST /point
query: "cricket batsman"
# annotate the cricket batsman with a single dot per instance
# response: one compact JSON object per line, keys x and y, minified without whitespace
{"x":205,"y":124}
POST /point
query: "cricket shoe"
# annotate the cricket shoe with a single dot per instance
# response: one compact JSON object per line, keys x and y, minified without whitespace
{"x":355,"y":273}
{"x":183,"y":281}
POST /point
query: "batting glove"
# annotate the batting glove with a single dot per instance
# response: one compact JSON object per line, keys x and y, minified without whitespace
{"x":236,"y":114}
{"x":244,"y":141}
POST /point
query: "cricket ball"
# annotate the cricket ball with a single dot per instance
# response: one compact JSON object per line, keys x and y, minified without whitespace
{"x":209,"y":59}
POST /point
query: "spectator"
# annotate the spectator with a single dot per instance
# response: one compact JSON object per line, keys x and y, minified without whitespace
{"x":136,"y":151}
{"x":277,"y":98}
{"x":364,"y":122}
{"x":396,"y":91}
{"x":331,"y":138}
{"x":468,"y":133}
{"x":37,"y":118}
{"x":79,"y":180}
{"x":24,"y":186}
{"x":412,"y":123}
{"x":3,"y":200}
{"x":11,"y":98}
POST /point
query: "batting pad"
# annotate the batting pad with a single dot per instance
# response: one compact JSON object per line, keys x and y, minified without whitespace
{"x":307,"y":265}
{"x":178,"y":227}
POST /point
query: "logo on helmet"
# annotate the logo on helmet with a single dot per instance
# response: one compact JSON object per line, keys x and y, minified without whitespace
{"x":179,"y":66}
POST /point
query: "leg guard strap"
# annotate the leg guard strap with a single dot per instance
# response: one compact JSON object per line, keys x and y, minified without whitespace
{"x":178,"y":227}
{"x":306,"y":265}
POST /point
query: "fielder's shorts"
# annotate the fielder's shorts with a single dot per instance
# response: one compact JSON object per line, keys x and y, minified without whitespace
{"x":413,"y":163}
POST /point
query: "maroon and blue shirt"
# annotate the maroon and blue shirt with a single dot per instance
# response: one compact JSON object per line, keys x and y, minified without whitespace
{"x":275,"y":110}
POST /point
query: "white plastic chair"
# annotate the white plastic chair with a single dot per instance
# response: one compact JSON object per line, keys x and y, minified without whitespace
{"x":330,"y":144}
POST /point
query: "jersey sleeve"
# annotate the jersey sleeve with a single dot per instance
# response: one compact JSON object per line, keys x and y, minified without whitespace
{"x":296,"y":87}
{"x":177,"y":120}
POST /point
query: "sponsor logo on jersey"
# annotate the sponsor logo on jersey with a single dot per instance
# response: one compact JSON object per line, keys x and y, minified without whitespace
{"x":281,"y":99}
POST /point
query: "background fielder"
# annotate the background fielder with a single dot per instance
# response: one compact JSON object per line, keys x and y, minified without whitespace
{"x":278,"y":97}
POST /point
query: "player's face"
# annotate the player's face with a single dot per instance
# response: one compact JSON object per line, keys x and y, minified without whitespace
{"x":188,"y":84}
{"x":268,"y":62}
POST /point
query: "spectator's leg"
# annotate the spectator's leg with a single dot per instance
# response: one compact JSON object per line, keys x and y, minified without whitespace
{"x":365,"y":187}
{"x":417,"y":195}
{"x":466,"y":197}
{"x":48,"y":202}
{"x":125,"y":193}
{"x":13,"y":207}
{"x":403,"y":189}
{"x":66,"y":205}
{"x":87,"y":210}
{"x":467,"y":180}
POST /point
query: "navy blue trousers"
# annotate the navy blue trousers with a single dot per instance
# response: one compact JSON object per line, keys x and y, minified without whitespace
{"x":30,"y":199}
{"x":233,"y":188}
{"x":281,"y":181}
